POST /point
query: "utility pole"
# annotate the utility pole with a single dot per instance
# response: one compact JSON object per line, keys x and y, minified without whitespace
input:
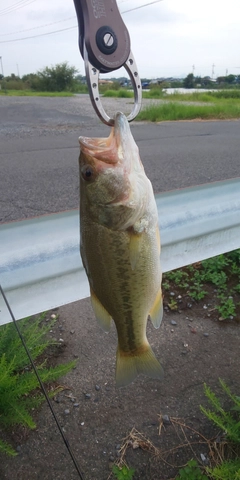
{"x":2,"y":66}
{"x":18,"y":71}
{"x":213,"y":69}
{"x":226,"y":72}
{"x":193,"y":68}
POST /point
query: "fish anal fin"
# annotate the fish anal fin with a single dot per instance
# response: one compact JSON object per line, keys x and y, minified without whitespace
{"x":130,"y":365}
{"x":156,"y":312}
{"x":101,"y":314}
{"x":134,"y":248}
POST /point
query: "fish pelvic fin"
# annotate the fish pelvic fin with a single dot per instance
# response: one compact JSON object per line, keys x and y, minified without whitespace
{"x":156,"y":312}
{"x":101,"y":314}
{"x":130,"y":365}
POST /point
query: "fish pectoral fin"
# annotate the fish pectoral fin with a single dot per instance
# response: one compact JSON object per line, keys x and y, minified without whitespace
{"x":130,"y":365}
{"x":135,"y":248}
{"x":156,"y":312}
{"x":101,"y":314}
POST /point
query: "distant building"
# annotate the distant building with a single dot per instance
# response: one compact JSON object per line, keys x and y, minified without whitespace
{"x":105,"y":82}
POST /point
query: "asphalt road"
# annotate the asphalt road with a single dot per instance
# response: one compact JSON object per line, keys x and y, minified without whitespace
{"x":39,"y":152}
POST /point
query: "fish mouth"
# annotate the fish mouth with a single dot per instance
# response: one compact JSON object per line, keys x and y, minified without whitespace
{"x":118,"y":147}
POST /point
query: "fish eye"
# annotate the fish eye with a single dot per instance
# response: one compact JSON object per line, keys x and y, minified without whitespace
{"x":87,"y":172}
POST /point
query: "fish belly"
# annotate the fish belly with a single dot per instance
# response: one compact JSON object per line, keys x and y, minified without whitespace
{"x":126,"y":292}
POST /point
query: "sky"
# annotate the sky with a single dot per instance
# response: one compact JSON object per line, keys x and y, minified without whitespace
{"x":170,"y":38}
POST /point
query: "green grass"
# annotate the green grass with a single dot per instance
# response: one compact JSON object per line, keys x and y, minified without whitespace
{"x":118,"y":93}
{"x":178,"y":111}
{"x":154,"y":93}
{"x":31,"y":93}
{"x":204,"y":97}
{"x":220,"y":105}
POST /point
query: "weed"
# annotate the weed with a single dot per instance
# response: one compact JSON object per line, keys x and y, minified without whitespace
{"x":19,"y":389}
{"x":173,"y":304}
{"x":227,"y":306}
{"x":233,"y":93}
{"x":6,"y":448}
{"x":118,"y":93}
{"x":228,"y":470}
{"x":178,"y":111}
{"x":191,"y":472}
{"x":166,"y":285}
{"x":222,"y":272}
{"x":123,"y":473}
{"x":227,"y":421}
{"x":154,"y":93}
{"x":196,"y":291}
{"x":179,"y":277}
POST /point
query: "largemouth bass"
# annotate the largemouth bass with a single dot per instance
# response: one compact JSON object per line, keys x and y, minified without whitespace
{"x":120,"y":246}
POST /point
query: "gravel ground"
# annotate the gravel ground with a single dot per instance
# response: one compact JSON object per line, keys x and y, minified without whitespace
{"x":71,"y":115}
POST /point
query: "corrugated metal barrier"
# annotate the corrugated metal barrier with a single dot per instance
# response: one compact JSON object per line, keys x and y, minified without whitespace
{"x":40,"y":265}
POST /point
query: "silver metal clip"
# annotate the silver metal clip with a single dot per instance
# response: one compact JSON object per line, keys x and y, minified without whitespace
{"x":92,"y":75}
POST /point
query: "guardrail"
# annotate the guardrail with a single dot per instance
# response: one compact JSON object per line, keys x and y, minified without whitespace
{"x":40,"y":265}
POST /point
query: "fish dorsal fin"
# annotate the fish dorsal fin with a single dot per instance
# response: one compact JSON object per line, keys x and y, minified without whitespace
{"x":156,"y":312}
{"x":134,"y":248}
{"x":101,"y":314}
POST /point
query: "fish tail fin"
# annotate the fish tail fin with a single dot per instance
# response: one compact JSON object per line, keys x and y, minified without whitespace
{"x":129,"y":366}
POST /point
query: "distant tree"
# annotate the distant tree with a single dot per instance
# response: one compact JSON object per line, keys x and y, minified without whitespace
{"x":80,"y":78}
{"x":221,"y":79}
{"x":58,"y":78}
{"x":188,"y":82}
{"x":12,"y":77}
{"x":198,"y":81}
{"x":230,"y":78}
{"x":206,"y":82}
{"x":176,"y":83}
{"x":1,"y":76}
{"x":32,"y":81}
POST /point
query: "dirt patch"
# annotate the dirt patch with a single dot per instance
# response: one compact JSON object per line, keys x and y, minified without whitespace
{"x":97,"y":416}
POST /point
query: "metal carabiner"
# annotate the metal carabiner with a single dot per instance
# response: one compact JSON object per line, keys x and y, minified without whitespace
{"x":104,"y":44}
{"x":92,"y":75}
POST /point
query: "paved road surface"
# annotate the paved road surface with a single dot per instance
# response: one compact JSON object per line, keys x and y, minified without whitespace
{"x":39,"y":152}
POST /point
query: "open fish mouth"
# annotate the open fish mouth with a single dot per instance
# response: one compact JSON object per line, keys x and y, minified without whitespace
{"x":119,"y":146}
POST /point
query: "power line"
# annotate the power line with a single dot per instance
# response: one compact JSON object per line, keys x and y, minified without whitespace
{"x":40,"y":26}
{"x":12,"y":6}
{"x":18,"y":5}
{"x":39,"y":35}
{"x":141,"y":6}
{"x":70,"y":28}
